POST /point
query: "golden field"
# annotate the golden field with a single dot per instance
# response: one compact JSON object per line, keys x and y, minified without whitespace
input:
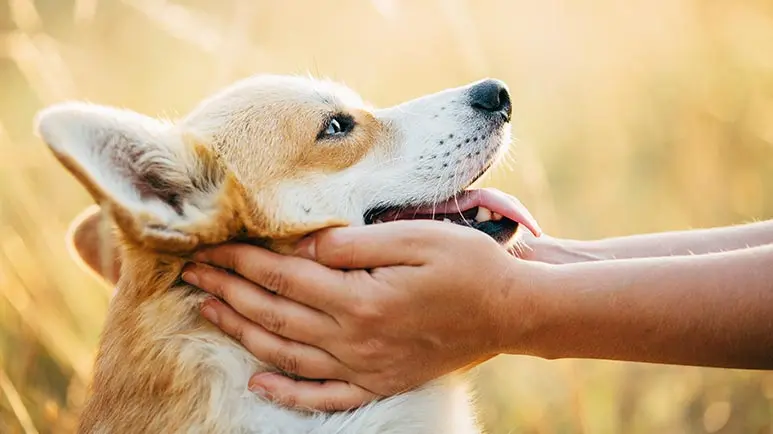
{"x":631,"y":116}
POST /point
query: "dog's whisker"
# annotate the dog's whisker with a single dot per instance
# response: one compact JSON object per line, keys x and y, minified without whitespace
{"x":281,"y":156}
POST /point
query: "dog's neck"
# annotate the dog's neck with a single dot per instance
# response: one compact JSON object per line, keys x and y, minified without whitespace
{"x":162,"y":368}
{"x":138,"y":374}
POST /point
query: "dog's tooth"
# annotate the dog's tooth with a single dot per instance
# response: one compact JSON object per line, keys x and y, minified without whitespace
{"x":447,"y":220}
{"x":496,"y":217}
{"x":483,"y":215}
{"x":379,"y":221}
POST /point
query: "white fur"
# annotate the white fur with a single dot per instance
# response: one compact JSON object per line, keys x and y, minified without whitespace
{"x":437,"y":145}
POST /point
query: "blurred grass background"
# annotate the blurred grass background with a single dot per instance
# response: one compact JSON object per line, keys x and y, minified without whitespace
{"x":634,"y":116}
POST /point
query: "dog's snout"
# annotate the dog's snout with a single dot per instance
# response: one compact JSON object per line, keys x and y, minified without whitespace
{"x":491,"y":96}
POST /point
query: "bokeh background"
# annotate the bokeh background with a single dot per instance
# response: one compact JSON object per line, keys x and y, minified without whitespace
{"x":631,"y":116}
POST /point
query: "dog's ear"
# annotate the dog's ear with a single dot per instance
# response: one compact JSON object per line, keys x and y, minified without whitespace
{"x":166,"y":191}
{"x":91,"y":239}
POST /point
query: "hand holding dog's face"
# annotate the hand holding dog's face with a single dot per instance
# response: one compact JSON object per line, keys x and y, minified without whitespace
{"x":421,"y":310}
{"x":267,"y":161}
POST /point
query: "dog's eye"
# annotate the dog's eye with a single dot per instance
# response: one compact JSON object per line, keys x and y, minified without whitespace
{"x":338,"y":126}
{"x":333,"y":128}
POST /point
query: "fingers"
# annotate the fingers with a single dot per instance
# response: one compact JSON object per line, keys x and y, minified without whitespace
{"x":301,"y":280}
{"x":291,"y":357}
{"x":408,"y":242}
{"x":274,"y":313}
{"x":325,"y":396}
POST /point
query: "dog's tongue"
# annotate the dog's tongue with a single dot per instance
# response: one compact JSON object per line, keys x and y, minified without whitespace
{"x":495,"y":200}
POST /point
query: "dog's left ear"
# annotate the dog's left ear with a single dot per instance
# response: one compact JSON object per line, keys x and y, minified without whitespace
{"x":91,"y":241}
{"x":166,"y":191}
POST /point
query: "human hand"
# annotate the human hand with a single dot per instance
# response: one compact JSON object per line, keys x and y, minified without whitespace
{"x":438,"y":297}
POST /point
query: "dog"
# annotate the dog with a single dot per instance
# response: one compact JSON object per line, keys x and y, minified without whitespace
{"x":266,"y":160}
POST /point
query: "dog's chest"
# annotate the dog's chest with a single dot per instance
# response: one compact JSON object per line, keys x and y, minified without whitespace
{"x":441,"y":406}
{"x":225,"y":368}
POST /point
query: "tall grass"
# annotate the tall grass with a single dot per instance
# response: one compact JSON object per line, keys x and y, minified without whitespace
{"x":631,"y":116}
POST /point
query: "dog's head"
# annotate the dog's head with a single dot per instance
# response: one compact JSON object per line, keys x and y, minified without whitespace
{"x":277,"y":157}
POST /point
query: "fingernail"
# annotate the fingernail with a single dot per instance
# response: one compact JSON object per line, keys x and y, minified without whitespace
{"x":209,"y":313}
{"x":260,"y":391}
{"x":263,"y":393}
{"x":256,"y":388}
{"x":190,"y":277}
{"x":307,"y":248}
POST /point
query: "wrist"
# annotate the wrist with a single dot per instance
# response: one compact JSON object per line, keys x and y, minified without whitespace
{"x":575,"y":307}
{"x":524,"y":307}
{"x":556,"y":308}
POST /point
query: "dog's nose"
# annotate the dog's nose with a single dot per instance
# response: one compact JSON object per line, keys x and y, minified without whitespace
{"x":491,"y":96}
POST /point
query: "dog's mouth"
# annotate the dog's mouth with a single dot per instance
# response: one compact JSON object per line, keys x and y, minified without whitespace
{"x":487,"y":210}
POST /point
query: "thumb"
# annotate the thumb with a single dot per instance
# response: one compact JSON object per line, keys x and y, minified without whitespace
{"x":410,"y":242}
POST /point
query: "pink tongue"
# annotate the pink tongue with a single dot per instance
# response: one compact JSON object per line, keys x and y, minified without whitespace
{"x":495,"y":200}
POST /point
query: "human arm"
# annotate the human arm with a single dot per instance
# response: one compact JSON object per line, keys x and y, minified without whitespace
{"x":706,"y":310}
{"x":672,"y":243}
{"x":421,"y":312}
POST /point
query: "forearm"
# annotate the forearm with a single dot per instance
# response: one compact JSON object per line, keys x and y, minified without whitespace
{"x":707,"y":310}
{"x":676,"y":243}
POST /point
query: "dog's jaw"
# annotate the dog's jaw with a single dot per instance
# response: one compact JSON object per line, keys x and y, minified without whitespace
{"x":429,"y":149}
{"x":260,"y":181}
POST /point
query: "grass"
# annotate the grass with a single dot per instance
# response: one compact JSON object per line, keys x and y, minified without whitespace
{"x":631,"y":117}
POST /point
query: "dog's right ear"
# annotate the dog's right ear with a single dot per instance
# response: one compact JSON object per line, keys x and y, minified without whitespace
{"x":166,"y":191}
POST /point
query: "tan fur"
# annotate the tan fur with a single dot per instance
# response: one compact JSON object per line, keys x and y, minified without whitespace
{"x":135,"y":378}
{"x":224,"y":173}
{"x":90,"y":238}
{"x":149,"y":286}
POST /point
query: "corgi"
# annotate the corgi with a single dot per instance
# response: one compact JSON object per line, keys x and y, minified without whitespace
{"x":266,"y":160}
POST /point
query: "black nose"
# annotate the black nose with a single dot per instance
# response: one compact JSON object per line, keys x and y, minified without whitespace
{"x":491,"y":96}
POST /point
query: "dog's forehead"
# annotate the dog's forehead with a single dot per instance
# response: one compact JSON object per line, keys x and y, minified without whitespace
{"x":297,"y":90}
{"x":273,"y":122}
{"x":271,"y":97}
{"x":335,"y":94}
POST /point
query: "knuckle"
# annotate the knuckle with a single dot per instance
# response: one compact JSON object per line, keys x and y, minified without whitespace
{"x":271,"y":321}
{"x":427,"y":243}
{"x":220,"y":289}
{"x":287,"y":400}
{"x":286,"y":362}
{"x":415,"y":244}
{"x":236,"y":260}
{"x":365,"y":354}
{"x":225,"y":257}
{"x":238,"y":333}
{"x":327,"y":245}
{"x":347,"y":253}
{"x":331,"y":405}
{"x":275,"y":281}
{"x":373,"y":348}
{"x":366,"y":312}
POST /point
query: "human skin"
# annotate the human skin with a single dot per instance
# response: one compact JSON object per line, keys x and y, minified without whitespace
{"x":675,"y":243}
{"x":382,"y":309}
